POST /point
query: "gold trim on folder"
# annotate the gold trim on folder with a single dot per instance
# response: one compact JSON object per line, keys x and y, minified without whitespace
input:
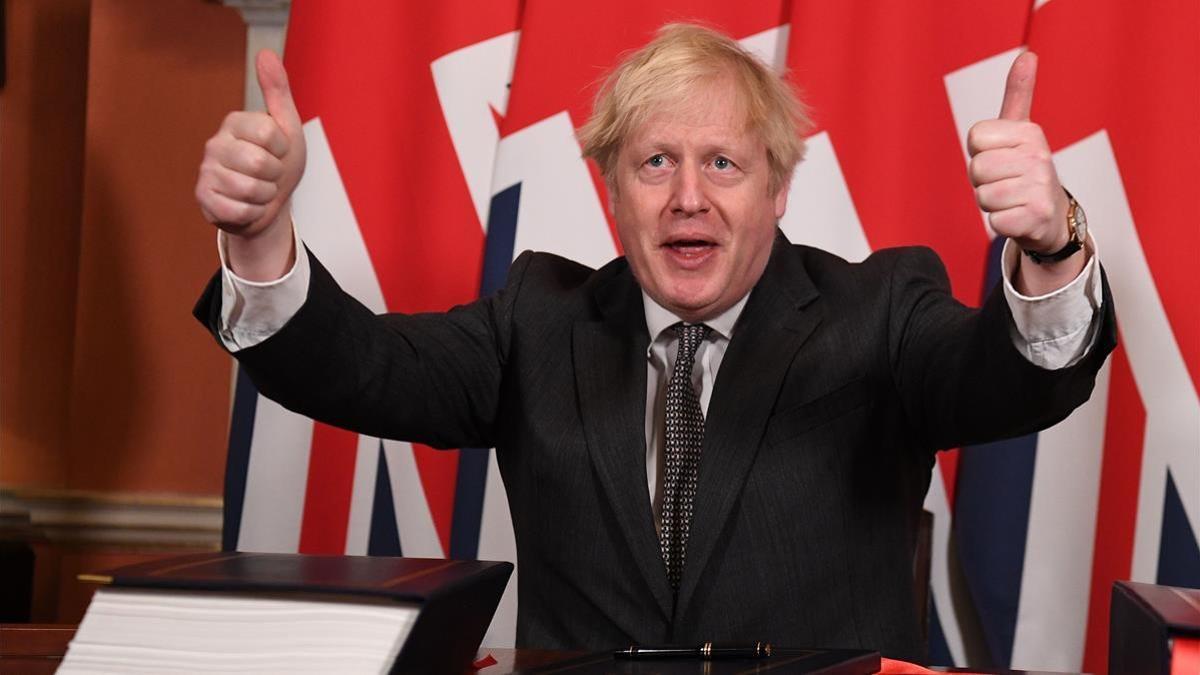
{"x":94,"y":578}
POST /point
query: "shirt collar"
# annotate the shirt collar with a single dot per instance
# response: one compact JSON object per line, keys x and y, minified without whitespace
{"x":659,"y":318}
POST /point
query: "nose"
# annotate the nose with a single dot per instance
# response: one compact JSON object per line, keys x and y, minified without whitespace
{"x":688,"y":197}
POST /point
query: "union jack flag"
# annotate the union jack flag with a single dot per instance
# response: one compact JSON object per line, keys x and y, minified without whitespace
{"x":441,"y":143}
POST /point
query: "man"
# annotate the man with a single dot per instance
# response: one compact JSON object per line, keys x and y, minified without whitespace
{"x":721,"y":436}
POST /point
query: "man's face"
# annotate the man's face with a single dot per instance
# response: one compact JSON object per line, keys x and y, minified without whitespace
{"x":691,"y":201}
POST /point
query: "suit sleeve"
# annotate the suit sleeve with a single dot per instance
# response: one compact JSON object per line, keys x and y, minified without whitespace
{"x":960,"y":377}
{"x":429,"y":378}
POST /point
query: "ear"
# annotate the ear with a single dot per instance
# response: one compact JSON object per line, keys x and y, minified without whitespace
{"x":610,"y":189}
{"x":780,"y":198}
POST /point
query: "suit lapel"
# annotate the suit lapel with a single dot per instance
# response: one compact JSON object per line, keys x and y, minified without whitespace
{"x":610,"y":375}
{"x":779,"y":317}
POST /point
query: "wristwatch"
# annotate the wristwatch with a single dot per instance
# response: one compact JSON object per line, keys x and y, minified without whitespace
{"x":1076,"y":227}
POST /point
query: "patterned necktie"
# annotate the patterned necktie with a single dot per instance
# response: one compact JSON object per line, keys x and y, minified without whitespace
{"x":684,"y":436}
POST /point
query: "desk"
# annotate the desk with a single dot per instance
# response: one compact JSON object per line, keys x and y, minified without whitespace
{"x":39,"y":648}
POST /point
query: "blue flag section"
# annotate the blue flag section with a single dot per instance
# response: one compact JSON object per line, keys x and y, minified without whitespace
{"x":237,"y":462}
{"x":385,"y":536}
{"x":1179,"y":554}
{"x":473,"y":462}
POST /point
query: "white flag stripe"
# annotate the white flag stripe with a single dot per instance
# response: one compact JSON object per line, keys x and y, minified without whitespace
{"x":820,"y":211}
{"x":496,"y":542}
{"x":939,"y":573}
{"x":976,"y":92}
{"x":1057,"y":573}
{"x":468,"y":82}
{"x":546,"y":160}
{"x":418,"y":535}
{"x":1172,"y":408}
{"x":770,"y":45}
{"x":362,"y":496}
{"x":276,"y":480}
{"x":326,"y":222}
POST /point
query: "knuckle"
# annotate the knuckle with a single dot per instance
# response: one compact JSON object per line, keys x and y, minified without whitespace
{"x":264,"y":132}
{"x":973,"y":136}
{"x":257,"y":163}
{"x":242,"y":213}
{"x":272,"y":169}
{"x":981,"y":198}
{"x":223,"y":212}
{"x":235,"y":185}
{"x":975,"y":170}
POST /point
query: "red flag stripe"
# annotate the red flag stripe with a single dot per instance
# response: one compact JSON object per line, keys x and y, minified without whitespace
{"x":1116,"y":515}
{"x":330,"y":484}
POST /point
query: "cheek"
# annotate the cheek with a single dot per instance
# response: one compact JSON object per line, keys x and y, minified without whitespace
{"x":635,"y":218}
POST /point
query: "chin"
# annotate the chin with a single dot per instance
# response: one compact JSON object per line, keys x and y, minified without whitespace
{"x":692,"y":307}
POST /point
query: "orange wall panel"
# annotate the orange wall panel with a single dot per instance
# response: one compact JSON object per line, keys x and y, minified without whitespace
{"x":41,"y":174}
{"x":150,"y":391}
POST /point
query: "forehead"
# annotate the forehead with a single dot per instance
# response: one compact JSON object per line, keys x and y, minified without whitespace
{"x":710,"y":111}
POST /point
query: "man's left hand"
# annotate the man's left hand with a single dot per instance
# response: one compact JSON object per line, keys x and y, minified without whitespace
{"x":1012,"y":170}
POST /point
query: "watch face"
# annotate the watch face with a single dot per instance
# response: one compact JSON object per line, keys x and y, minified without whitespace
{"x":1081,"y":224}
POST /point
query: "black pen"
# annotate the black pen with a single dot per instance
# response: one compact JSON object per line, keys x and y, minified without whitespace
{"x":705,"y":652}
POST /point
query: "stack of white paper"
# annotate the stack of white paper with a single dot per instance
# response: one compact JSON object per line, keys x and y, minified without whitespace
{"x":129,"y":630}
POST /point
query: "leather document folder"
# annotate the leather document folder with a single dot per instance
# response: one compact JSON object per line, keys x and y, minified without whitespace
{"x":450,"y":603}
{"x":1153,"y":630}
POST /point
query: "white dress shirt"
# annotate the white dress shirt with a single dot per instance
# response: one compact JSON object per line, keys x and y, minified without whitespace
{"x":1051,"y":331}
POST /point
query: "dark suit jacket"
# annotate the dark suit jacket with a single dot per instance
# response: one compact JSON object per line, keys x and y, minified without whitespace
{"x":839,"y":384}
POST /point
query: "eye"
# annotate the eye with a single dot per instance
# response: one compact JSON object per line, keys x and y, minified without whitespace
{"x":657,"y":161}
{"x":722,"y":163}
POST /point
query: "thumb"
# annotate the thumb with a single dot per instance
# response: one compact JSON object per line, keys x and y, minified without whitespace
{"x":1018,"y":90}
{"x":277,"y":94}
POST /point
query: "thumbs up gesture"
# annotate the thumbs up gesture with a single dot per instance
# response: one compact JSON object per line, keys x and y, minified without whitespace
{"x":252,"y":165}
{"x":1013,"y":172}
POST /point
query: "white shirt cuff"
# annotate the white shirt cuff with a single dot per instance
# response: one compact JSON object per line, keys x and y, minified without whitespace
{"x":252,"y":311}
{"x":1054,"y":330}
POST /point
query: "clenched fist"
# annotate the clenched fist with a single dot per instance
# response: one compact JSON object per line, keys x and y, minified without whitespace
{"x":1013,"y":173}
{"x":250,"y":168}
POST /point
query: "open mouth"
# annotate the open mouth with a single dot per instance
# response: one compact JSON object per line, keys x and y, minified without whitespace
{"x":689,"y":251}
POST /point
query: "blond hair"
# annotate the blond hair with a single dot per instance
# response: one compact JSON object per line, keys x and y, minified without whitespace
{"x":680,"y":57}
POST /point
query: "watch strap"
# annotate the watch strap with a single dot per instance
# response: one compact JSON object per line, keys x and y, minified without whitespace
{"x":1074,"y":244}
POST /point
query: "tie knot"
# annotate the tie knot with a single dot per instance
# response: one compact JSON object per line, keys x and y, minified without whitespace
{"x":690,"y":336}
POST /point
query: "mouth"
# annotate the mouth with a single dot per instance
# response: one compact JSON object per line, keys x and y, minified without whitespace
{"x":689,"y":251}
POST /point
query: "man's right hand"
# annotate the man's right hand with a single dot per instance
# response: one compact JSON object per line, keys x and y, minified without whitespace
{"x":250,"y":168}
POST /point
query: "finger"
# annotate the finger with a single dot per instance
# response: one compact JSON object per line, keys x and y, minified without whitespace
{"x":248,"y":158}
{"x":242,"y":188}
{"x":993,"y":165}
{"x":1010,"y":222}
{"x":1002,"y":194}
{"x":277,"y":94}
{"x":993,"y":134}
{"x":1018,"y":90}
{"x":229,"y":214}
{"x":259,"y":129}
